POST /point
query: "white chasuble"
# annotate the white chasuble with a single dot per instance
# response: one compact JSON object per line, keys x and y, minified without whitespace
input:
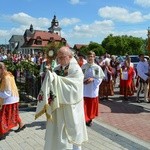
{"x":65,"y":114}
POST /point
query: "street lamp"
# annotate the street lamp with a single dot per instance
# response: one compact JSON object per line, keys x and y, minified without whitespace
{"x":148,"y":41}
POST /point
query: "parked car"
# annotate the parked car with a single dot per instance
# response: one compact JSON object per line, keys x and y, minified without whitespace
{"x":135,"y":59}
{"x":120,"y":59}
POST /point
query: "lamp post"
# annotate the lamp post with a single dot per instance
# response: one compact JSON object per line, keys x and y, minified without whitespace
{"x":148,"y":41}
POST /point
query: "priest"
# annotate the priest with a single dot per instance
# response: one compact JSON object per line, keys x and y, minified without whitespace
{"x":61,"y":99}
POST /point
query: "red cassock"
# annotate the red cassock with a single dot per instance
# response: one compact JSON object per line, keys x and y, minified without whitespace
{"x":90,"y":108}
{"x":127,"y":85}
{"x":9,"y":117}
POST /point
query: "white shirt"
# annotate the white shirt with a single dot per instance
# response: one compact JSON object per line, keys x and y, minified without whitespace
{"x":142,"y":69}
{"x":92,"y":71}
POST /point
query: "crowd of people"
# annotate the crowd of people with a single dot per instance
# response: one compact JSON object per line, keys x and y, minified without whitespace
{"x":71,"y":89}
{"x":131,"y":80}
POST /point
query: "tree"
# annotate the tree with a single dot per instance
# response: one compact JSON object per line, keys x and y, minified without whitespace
{"x":120,"y":45}
{"x":93,"y":46}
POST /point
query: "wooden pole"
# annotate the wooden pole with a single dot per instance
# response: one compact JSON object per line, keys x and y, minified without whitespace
{"x":148,"y":41}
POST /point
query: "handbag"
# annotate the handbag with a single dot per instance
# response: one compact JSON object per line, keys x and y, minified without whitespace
{"x":124,"y":75}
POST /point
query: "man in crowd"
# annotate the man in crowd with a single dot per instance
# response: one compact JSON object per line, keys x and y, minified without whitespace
{"x":61,"y":97}
{"x":142,"y":72}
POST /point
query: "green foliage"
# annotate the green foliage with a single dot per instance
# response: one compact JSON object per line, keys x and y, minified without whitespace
{"x":120,"y":45}
{"x":30,"y":66}
{"x":83,"y":50}
{"x":53,"y":46}
{"x":93,"y":46}
{"x":10,"y":65}
{"x":23,"y":66}
{"x":117,"y":45}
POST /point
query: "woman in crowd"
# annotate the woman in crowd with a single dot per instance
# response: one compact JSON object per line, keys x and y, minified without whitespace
{"x":9,"y":101}
{"x":114,"y":64}
{"x":81,"y":60}
{"x":106,"y":88}
{"x":126,"y":80}
{"x":133,"y":87}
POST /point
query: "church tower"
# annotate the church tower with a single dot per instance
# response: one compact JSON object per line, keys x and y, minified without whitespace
{"x":31,"y":28}
{"x":55,"y":27}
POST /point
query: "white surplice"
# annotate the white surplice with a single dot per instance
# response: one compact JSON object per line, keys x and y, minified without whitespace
{"x":96,"y":72}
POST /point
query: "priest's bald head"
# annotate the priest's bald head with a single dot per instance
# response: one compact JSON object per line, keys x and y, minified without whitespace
{"x":64,"y":56}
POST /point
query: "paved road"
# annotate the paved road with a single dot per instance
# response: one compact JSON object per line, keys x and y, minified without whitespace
{"x":120,"y":126}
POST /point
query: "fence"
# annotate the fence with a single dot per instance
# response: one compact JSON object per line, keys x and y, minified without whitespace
{"x":28,"y":85}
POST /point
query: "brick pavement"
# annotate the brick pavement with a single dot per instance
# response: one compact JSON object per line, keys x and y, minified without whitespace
{"x":102,"y":136}
{"x":32,"y":138}
{"x":131,"y":117}
{"x":120,"y":126}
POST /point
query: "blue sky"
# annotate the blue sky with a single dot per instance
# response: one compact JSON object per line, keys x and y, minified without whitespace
{"x":81,"y":21}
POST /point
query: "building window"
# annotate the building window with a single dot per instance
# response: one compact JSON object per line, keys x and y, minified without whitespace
{"x":38,"y":42}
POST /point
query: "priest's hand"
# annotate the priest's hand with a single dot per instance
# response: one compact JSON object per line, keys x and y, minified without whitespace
{"x":89,"y":80}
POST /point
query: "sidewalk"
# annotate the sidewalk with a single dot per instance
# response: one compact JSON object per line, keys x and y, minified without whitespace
{"x":130,"y":117}
{"x":120,"y":126}
{"x":102,"y":136}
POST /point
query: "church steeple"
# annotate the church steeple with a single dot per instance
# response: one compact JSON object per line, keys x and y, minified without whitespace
{"x":54,"y":22}
{"x":55,"y":26}
{"x":31,"y":28}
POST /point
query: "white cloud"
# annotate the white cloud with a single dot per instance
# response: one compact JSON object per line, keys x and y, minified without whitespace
{"x":147,"y":17}
{"x":74,"y":2}
{"x":22,"y":21}
{"x":121,"y":14}
{"x":25,"y":19}
{"x":18,"y":31}
{"x":95,"y":29}
{"x":144,"y":3}
{"x":13,"y":31}
{"x":3,"y":33}
{"x":67,"y":21}
{"x":135,"y":33}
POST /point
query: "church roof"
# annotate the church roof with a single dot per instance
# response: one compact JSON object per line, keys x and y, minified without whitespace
{"x":78,"y":46}
{"x":44,"y":36}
